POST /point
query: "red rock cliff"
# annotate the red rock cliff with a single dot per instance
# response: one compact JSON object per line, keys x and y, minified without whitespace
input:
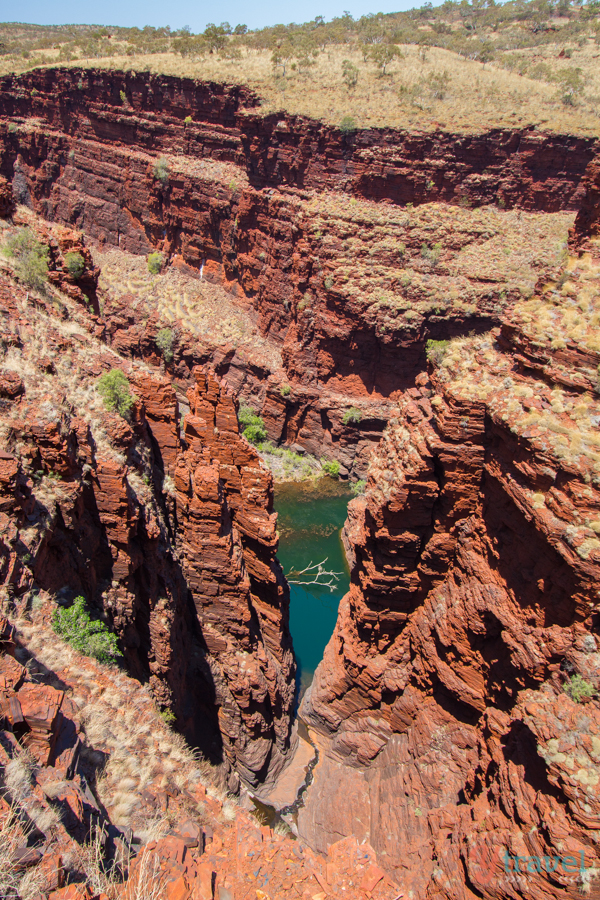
{"x":172,"y":538}
{"x":444,"y":710}
{"x":262,"y":205}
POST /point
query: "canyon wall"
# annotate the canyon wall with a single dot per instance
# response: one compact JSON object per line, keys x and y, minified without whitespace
{"x":170,"y":536}
{"x":445,"y":710}
{"x":265,"y":207}
{"x":451,"y":731}
{"x":528,"y":168}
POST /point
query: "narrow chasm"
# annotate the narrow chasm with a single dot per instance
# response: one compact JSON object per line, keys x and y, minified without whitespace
{"x":311,"y":515}
{"x":299,"y":500}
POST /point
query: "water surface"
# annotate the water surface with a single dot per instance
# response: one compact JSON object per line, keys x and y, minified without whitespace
{"x":311,"y":515}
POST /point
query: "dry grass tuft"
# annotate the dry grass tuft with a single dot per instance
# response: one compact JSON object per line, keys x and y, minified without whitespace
{"x":25,"y":885}
{"x":18,"y":776}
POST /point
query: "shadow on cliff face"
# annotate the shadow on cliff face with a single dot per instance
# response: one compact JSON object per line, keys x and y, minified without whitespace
{"x":519,"y":746}
{"x":536,"y":576}
{"x":77,"y":560}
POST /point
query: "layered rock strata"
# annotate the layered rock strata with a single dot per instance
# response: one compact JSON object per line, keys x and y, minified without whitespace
{"x":285,"y":213}
{"x":527,"y":168}
{"x":120,"y":807}
{"x":452,"y":732}
{"x":172,"y":538}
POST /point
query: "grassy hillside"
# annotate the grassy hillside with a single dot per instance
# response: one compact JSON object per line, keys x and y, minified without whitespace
{"x":459,"y":66}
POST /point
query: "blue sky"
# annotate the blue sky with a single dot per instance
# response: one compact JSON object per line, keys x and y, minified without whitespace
{"x":186,"y":12}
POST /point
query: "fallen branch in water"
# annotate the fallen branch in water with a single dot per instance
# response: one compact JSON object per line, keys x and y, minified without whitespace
{"x":314,"y":573}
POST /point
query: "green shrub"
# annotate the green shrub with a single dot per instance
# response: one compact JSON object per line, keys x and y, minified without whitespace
{"x":75,"y":264}
{"x":358,"y":487}
{"x":435,"y":351}
{"x":164,"y":342}
{"x":123,"y":96}
{"x":328,"y":282}
{"x":285,"y":390}
{"x":161,"y":170}
{"x":348,"y":125}
{"x":187,"y":120}
{"x":89,"y":636}
{"x":352,"y":416}
{"x":114,"y":389}
{"x":155,"y":263}
{"x":252,"y":426}
{"x":578,"y":688}
{"x":168,"y":716}
{"x":331,"y":468}
{"x":349,"y":74}
{"x":31,"y":258}
{"x":305,"y":302}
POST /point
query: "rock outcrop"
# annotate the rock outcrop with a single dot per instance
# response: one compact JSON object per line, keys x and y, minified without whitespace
{"x":121,"y":808}
{"x":449,"y":706}
{"x":587,"y":222}
{"x":172,"y":538}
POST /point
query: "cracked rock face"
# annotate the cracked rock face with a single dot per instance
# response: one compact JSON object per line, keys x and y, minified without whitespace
{"x":442,"y":709}
{"x":171,"y":537}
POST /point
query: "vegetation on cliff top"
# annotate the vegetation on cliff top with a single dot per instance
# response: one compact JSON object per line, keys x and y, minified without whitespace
{"x":554,"y":404}
{"x":459,"y":65}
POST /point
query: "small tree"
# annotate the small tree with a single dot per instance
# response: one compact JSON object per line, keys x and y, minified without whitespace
{"x":31,"y":258}
{"x":155,"y":263}
{"x":384,"y":54}
{"x":571,"y":85}
{"x":89,"y":636}
{"x":331,"y":467}
{"x":349,"y":74}
{"x":75,"y":265}
{"x":215,"y":36}
{"x":114,"y":389}
{"x":161,"y":170}
{"x":281,"y":56}
{"x":348,"y":125}
{"x":435,"y":351}
{"x":164,"y":342}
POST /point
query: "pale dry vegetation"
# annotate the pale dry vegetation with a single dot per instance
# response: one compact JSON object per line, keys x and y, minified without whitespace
{"x":29,"y":884}
{"x":475,"y":97}
{"x":433,"y":258}
{"x":566,"y":425}
{"x":567,"y":313}
{"x":120,"y":719}
{"x":179,"y":297}
{"x":66,"y":386}
{"x":461,"y":66}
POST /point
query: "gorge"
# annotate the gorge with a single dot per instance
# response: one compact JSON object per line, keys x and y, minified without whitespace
{"x":405,"y":305}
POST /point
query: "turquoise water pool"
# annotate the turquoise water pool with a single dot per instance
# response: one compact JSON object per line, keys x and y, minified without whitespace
{"x":311,"y":515}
